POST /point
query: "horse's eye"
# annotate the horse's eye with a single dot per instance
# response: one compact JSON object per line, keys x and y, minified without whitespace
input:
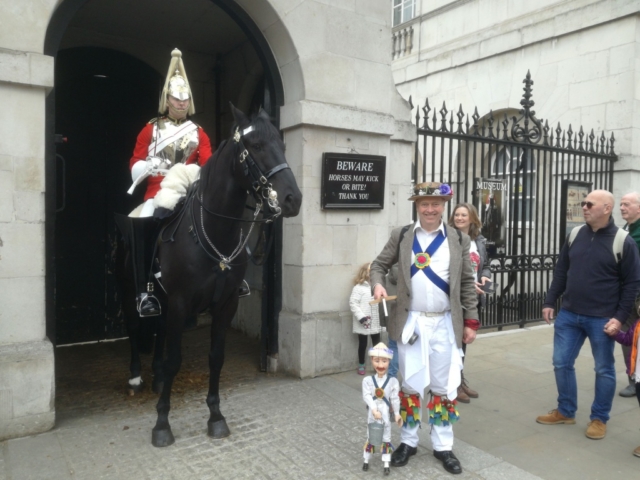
{"x":256,"y":146}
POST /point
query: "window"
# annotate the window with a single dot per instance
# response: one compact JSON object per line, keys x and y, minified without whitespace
{"x":403,"y":11}
{"x":522,"y":184}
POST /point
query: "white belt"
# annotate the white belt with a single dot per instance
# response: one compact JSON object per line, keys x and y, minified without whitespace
{"x":432,"y":314}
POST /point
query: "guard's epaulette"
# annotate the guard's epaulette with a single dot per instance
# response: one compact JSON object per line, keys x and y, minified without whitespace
{"x":153,"y":120}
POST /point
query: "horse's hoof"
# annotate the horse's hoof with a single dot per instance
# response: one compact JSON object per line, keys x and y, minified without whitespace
{"x":133,"y":389}
{"x":218,"y":429}
{"x":157,"y":387}
{"x":162,"y":438}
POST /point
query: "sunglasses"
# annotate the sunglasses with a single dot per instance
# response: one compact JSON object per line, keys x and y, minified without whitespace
{"x":587,"y":204}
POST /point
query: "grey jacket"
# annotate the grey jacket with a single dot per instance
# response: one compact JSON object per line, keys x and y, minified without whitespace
{"x":462,"y":295}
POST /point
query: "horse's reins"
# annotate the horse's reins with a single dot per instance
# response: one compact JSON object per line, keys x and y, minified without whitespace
{"x":262,"y":189}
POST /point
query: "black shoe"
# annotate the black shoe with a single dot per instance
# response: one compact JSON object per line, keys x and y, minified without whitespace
{"x":386,"y":470}
{"x":400,"y":457}
{"x":449,"y":461}
{"x":365,"y":467}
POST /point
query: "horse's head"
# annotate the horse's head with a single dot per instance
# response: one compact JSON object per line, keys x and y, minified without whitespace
{"x":264,"y":164}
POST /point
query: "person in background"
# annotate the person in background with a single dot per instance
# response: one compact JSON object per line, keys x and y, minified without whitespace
{"x":631,"y":339}
{"x":465,"y":218}
{"x":366,"y":322}
{"x":598,"y":294}
{"x":630,"y":211}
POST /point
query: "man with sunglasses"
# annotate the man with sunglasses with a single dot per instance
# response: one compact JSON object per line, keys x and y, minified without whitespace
{"x":630,"y":211}
{"x":598,"y":294}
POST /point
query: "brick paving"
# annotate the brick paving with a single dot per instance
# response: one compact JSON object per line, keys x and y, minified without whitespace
{"x":282,"y":428}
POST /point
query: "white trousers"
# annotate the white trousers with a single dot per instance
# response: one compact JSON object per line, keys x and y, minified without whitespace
{"x":432,"y":361}
{"x":145,"y":209}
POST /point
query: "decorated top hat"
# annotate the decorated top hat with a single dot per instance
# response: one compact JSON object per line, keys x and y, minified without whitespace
{"x":431,"y":190}
{"x":381,"y":350}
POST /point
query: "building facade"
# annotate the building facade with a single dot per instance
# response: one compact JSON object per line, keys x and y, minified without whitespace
{"x":583,"y":56}
{"x":81,"y":78}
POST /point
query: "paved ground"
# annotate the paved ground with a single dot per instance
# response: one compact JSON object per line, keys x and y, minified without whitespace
{"x":283,"y":428}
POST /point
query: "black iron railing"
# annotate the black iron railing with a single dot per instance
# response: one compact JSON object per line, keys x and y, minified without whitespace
{"x":532,"y":163}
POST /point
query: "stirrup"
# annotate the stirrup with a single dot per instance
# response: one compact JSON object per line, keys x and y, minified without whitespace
{"x":148,"y":304}
{"x":244,"y":290}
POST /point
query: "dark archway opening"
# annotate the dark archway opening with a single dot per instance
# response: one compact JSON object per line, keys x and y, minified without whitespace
{"x":86,"y":102}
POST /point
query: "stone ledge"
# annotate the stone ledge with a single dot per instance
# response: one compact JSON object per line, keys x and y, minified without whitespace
{"x":26,"y":68}
{"x":27,"y":425}
{"x":27,"y":388}
{"x":340,"y":117}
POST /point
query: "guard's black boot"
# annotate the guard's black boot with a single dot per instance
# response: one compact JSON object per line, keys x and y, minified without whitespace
{"x":244,"y":290}
{"x":140,"y":234}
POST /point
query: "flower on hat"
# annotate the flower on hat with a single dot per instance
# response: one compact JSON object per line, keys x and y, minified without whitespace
{"x":445,"y":189}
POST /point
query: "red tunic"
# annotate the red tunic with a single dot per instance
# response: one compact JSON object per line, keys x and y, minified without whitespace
{"x":141,"y":151}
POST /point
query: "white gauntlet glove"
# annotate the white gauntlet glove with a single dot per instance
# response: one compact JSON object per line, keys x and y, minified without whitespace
{"x":152,"y":166}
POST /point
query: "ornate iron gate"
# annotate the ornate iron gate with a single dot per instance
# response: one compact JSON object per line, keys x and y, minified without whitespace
{"x":533,"y":167}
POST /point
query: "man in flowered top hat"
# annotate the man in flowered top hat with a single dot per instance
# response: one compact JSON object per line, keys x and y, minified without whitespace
{"x":435,"y":313}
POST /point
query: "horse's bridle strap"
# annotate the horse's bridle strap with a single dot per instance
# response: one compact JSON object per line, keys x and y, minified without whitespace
{"x":276,"y":169}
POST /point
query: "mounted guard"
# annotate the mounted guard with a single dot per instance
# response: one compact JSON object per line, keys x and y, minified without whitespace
{"x":167,"y":141}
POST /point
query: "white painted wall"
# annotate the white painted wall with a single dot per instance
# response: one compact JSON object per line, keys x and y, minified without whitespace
{"x":583,"y":56}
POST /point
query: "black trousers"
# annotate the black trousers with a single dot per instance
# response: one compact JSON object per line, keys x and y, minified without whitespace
{"x":362,"y":344}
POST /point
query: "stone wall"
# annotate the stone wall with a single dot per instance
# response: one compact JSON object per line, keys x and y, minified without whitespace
{"x":583,"y":56}
{"x":26,"y":356}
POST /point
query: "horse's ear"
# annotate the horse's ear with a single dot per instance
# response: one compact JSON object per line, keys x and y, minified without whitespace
{"x":263,"y":113}
{"x":240,"y":118}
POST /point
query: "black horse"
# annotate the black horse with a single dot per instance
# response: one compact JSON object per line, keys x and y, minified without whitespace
{"x":203,"y":260}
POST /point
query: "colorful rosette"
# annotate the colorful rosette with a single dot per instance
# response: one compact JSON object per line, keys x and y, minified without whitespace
{"x":379,"y":393}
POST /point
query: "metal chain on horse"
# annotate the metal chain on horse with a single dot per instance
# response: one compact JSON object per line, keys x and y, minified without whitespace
{"x":225,"y":261}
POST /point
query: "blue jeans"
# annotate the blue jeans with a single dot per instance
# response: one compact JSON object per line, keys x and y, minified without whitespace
{"x":570,"y":332}
{"x":393,"y":364}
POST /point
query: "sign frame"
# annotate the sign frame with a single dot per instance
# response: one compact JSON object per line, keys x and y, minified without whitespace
{"x":341,"y":172}
{"x":570,"y":204}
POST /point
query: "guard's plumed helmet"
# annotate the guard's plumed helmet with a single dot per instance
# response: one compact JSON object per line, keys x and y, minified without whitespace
{"x":176,"y":83}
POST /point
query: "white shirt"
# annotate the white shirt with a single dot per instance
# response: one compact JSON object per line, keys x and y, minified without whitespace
{"x":427,"y":297}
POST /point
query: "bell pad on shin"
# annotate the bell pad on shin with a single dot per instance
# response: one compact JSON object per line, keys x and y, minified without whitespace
{"x":162,"y":438}
{"x":218,"y":429}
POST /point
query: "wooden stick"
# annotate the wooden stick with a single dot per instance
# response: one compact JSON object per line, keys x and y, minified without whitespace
{"x":388,"y":299}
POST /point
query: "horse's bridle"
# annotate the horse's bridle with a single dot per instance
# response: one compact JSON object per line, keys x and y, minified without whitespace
{"x":262,"y":189}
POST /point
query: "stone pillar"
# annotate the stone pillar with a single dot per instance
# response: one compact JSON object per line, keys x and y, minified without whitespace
{"x":324,"y":248}
{"x":27,"y":383}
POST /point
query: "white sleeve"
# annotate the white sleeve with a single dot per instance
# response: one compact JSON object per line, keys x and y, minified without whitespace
{"x":354,"y":302}
{"x":138,"y":169}
{"x":367,"y":393}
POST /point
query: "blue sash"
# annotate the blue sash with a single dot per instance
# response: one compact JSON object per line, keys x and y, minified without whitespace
{"x":375,"y":384}
{"x":428,"y":271}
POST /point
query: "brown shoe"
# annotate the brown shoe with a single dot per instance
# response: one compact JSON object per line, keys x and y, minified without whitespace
{"x":469,"y":391}
{"x":596,"y":429}
{"x":462,"y":396}
{"x":554,"y":417}
{"x":636,"y":452}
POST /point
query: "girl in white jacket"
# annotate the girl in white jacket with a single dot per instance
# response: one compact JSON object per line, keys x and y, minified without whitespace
{"x":366,"y":322}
